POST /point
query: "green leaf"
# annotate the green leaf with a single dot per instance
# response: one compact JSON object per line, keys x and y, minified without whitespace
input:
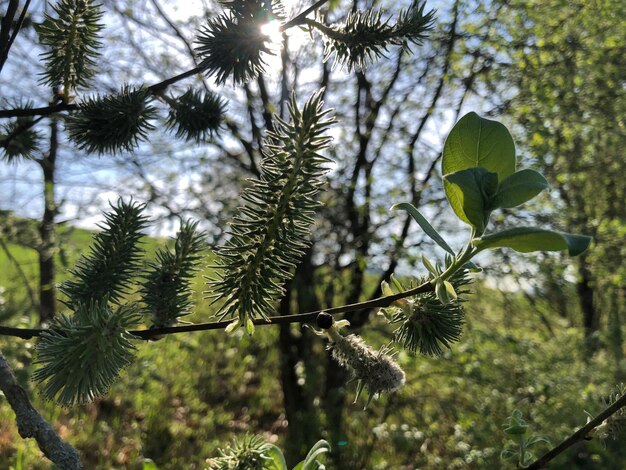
{"x":310,"y":462}
{"x":469,"y":193}
{"x":148,"y":464}
{"x":479,"y":142}
{"x":276,"y":458}
{"x":450,"y":290}
{"x":429,"y":266}
{"x":518,"y":188}
{"x":426,"y":227}
{"x":537,"y":439}
{"x":528,"y":239}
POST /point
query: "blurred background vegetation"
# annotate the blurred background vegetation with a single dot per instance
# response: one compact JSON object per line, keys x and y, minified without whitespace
{"x":543,"y":335}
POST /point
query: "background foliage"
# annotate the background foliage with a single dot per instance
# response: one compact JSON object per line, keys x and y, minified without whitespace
{"x":543,"y":337}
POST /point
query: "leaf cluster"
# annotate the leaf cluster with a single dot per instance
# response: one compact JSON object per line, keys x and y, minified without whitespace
{"x":365,"y":36}
{"x":517,"y":428}
{"x":270,"y":233}
{"x":112,"y":123}
{"x":479,"y":175}
{"x":72,"y":40}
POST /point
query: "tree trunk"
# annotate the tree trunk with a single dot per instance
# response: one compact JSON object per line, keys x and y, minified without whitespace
{"x":591,"y":321}
{"x":47,"y":292}
{"x":295,"y":347}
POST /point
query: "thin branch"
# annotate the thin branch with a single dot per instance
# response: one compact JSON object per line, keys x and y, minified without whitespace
{"x":309,"y":317}
{"x":43,"y":111}
{"x":300,"y":17}
{"x":579,"y":435}
{"x":5,"y":29}
{"x":18,"y":26}
{"x":31,"y":424}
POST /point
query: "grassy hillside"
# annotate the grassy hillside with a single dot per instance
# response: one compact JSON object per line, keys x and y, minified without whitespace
{"x":186,"y":395}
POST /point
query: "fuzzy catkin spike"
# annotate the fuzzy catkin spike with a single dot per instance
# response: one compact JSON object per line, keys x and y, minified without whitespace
{"x":196,"y":116}
{"x":72,"y":43}
{"x":18,"y":140}
{"x":425,"y":324}
{"x":113,"y":258}
{"x":270,"y":233}
{"x":112,"y":123}
{"x":79,"y":357}
{"x":166,"y":291}
{"x":232,"y":44}
{"x":376,"y":371}
{"x":365,"y":36}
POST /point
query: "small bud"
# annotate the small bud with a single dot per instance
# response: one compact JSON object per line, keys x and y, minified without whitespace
{"x":250,"y":326}
{"x":429,"y":266}
{"x":232,"y":326}
{"x":386,"y":289}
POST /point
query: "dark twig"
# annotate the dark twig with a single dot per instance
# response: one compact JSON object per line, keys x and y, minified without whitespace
{"x":18,"y":26}
{"x":299,"y":18}
{"x":5,"y":30}
{"x":579,"y":435}
{"x":31,"y":424}
{"x":309,"y":317}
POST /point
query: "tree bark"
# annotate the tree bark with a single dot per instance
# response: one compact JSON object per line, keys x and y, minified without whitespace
{"x":591,"y":320}
{"x":47,"y":291}
{"x":31,"y":424}
{"x":303,"y":428}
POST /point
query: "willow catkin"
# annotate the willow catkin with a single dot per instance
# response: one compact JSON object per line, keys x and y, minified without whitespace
{"x":376,"y":369}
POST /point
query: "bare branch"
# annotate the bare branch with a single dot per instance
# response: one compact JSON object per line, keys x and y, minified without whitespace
{"x":579,"y":435}
{"x":31,"y":424}
{"x":309,"y":317}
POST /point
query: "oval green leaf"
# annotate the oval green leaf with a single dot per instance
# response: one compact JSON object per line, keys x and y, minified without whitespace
{"x":528,"y":239}
{"x":424,"y":224}
{"x":469,"y":193}
{"x":441,"y":292}
{"x":478,"y":142}
{"x":276,"y":458}
{"x":518,"y":188}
